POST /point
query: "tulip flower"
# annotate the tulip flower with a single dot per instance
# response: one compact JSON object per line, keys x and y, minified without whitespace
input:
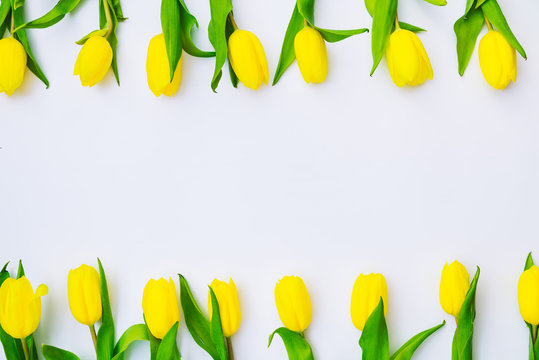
{"x":368,"y":289}
{"x":498,"y":60}
{"x":94,"y":60}
{"x":293,"y":303}
{"x":160,"y":306}
{"x":311,"y":55}
{"x":158,"y":69}
{"x":12,"y":65}
{"x":20,"y":307}
{"x":247,"y":58}
{"x":528,"y":295}
{"x":453,"y":287}
{"x":407,"y":59}
{"x":84,"y":293}
{"x":229,"y":305}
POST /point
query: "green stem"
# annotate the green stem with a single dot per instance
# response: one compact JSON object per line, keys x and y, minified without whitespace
{"x":94,"y":336}
{"x":106,"y":7}
{"x":25,"y":349}
{"x":232,"y":21}
{"x":229,"y":348}
{"x":397,"y":25}
{"x":12,"y":22}
{"x":534,"y":333}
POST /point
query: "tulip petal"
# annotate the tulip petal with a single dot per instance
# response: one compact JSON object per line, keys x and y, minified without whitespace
{"x":13,"y":60}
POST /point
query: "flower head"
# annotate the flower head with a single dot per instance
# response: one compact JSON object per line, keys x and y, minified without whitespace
{"x":93,"y":61}
{"x":247,"y":58}
{"x":12,"y":65}
{"x":158,"y":69}
{"x":498,"y":60}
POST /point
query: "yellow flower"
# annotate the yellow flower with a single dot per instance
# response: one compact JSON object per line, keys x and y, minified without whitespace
{"x":311,"y":55}
{"x":368,"y":289}
{"x":498,"y":60}
{"x":229,"y":305}
{"x":84,"y":293}
{"x":158,"y":68}
{"x":453,"y":287}
{"x":293,"y":303}
{"x":160,"y":306}
{"x":93,"y":61}
{"x":12,"y":65}
{"x":247,"y":58}
{"x":20,"y":307}
{"x":407,"y":59}
{"x":528,"y":295}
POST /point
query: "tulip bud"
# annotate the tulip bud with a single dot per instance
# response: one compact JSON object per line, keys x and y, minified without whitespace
{"x":20,"y":307}
{"x":293,"y":303}
{"x":407,"y":59}
{"x":528,"y":295}
{"x":366,"y":294}
{"x":93,"y":61}
{"x":311,"y":55}
{"x":12,"y":65}
{"x":158,"y":69}
{"x":453,"y":287}
{"x":160,"y":306}
{"x":229,"y":305}
{"x":247,"y":58}
{"x":84,"y":293}
{"x":498,"y":60}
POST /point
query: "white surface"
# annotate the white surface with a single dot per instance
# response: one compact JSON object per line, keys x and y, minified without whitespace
{"x":324,"y":182}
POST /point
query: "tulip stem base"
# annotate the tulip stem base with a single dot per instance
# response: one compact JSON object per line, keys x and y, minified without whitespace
{"x":534,"y":333}
{"x":232,"y":21}
{"x":229,"y":348}
{"x":25,"y":349}
{"x":489,"y":25}
{"x":94,"y":336}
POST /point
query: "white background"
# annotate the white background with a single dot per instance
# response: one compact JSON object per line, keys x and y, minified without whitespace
{"x":324,"y":181}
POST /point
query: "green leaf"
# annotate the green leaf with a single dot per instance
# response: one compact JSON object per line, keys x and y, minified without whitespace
{"x":288,"y":54}
{"x":469,"y":6}
{"x":463,"y":339}
{"x":117,"y":7}
{"x":233,"y":77}
{"x":217,"y":34}
{"x":105,"y":336}
{"x":54,"y":353}
{"x":337,"y":35}
{"x":4,"y":274}
{"x":168,"y":349}
{"x":31,"y":62}
{"x":17,"y":4}
{"x":112,"y":39}
{"x":5,"y":6}
{"x":132,"y":334}
{"x":410,"y":27}
{"x":20,"y":271}
{"x":382,"y":23}
{"x":57,"y":13}
{"x":369,"y":4}
{"x":467,"y":29}
{"x":529,"y":262}
{"x":216,"y":328}
{"x":306,"y":9}
{"x":437,"y":2}
{"x":10,"y":346}
{"x":374,"y":340}
{"x":154,"y":342}
{"x":197,"y":324}
{"x":494,"y":14}
{"x":32,"y":347}
{"x":296,"y":346}
{"x":407,"y":350}
{"x":170,"y":23}
{"x":188,"y":23}
{"x":479,"y":3}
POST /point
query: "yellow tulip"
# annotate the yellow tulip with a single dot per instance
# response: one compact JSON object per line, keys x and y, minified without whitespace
{"x":229,"y":305}
{"x":93,"y":61}
{"x":293,"y":303}
{"x":528,"y":295}
{"x":247,"y":58}
{"x":311,"y":55}
{"x":158,"y":68}
{"x":453,"y":287}
{"x":407,"y":59}
{"x":20,"y":307}
{"x":366,"y":294}
{"x":12,"y":65}
{"x":84,"y":293}
{"x":160,"y":306}
{"x":498,"y":60}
